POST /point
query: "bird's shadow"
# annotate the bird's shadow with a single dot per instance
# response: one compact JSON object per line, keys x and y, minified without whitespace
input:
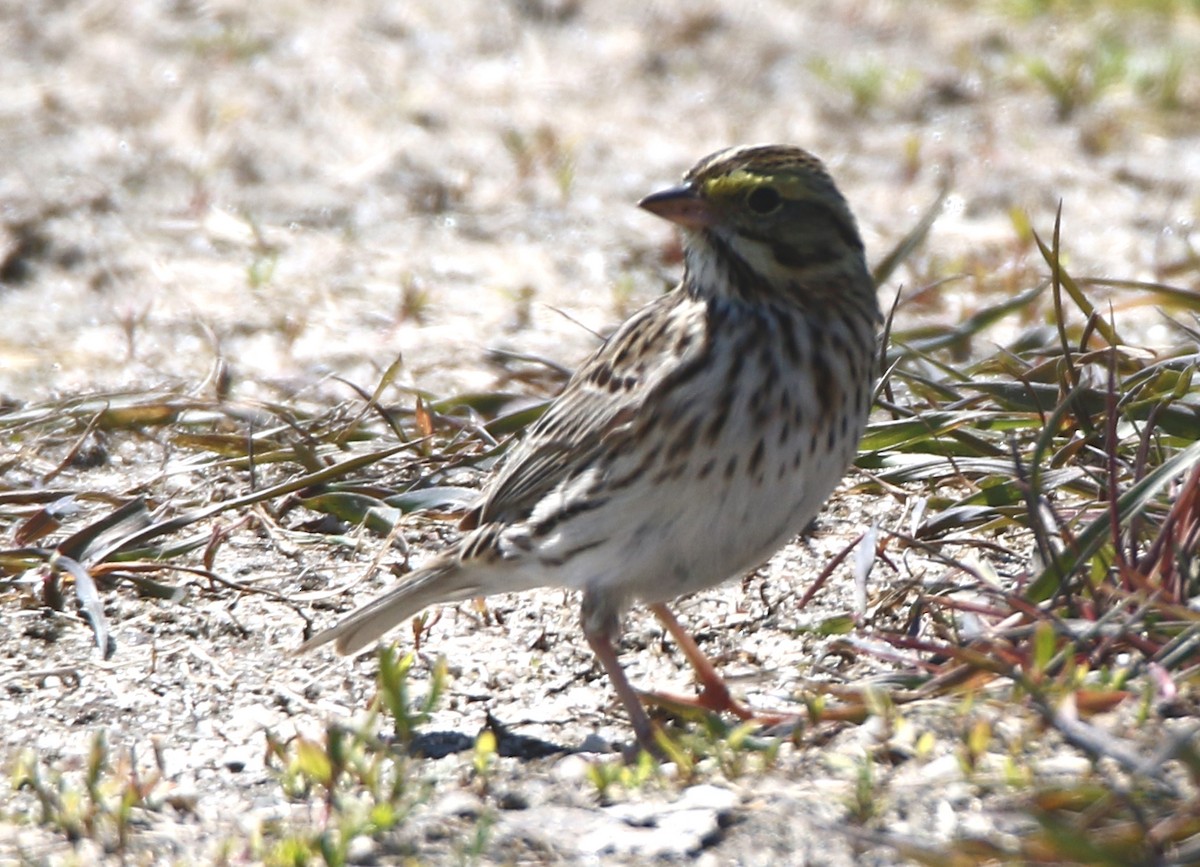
{"x":437,"y":745}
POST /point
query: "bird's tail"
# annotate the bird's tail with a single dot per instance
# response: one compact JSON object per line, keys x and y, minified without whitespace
{"x":444,"y":580}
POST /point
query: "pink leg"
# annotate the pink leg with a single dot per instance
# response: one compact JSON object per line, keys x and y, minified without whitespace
{"x":714,"y":694}
{"x":602,"y":646}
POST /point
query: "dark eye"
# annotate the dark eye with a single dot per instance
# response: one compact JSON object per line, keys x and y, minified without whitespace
{"x":764,"y":200}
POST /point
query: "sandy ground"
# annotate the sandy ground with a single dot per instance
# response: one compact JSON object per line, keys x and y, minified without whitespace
{"x":299,"y":191}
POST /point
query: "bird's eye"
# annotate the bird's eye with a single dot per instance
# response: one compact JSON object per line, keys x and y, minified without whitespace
{"x":764,"y":200}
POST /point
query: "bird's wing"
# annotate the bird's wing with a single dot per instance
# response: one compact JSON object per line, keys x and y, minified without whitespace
{"x":599,"y":406}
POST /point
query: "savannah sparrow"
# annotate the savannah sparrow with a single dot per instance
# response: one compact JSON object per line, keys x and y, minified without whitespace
{"x":706,"y":432}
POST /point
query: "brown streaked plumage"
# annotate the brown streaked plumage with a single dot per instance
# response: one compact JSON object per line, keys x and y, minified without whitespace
{"x":705,"y":433}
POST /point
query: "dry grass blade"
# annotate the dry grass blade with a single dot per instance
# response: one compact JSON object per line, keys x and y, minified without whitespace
{"x":1064,"y":280}
{"x":940,"y":337}
{"x":886,"y":267}
{"x":88,"y":598}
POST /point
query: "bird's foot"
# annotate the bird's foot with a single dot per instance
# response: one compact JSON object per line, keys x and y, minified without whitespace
{"x":715,"y":698}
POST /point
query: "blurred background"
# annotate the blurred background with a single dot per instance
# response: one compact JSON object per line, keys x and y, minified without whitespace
{"x":303,"y":188}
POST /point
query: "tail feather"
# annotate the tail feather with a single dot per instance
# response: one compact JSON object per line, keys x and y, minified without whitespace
{"x":444,"y":581}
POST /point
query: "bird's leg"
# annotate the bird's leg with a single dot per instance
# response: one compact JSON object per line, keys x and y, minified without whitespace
{"x":598,"y":629}
{"x":714,"y":694}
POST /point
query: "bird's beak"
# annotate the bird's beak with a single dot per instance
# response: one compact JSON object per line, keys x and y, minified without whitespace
{"x":681,"y":205}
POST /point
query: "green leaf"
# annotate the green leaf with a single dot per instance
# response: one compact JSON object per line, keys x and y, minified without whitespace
{"x":1134,"y":501}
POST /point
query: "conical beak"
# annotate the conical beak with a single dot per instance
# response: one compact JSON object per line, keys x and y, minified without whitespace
{"x":681,"y":205}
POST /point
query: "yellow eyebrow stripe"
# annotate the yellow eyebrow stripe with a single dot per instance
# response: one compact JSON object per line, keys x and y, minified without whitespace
{"x":732,"y":185}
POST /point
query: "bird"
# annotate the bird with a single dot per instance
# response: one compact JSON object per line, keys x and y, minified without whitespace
{"x":704,"y":433}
